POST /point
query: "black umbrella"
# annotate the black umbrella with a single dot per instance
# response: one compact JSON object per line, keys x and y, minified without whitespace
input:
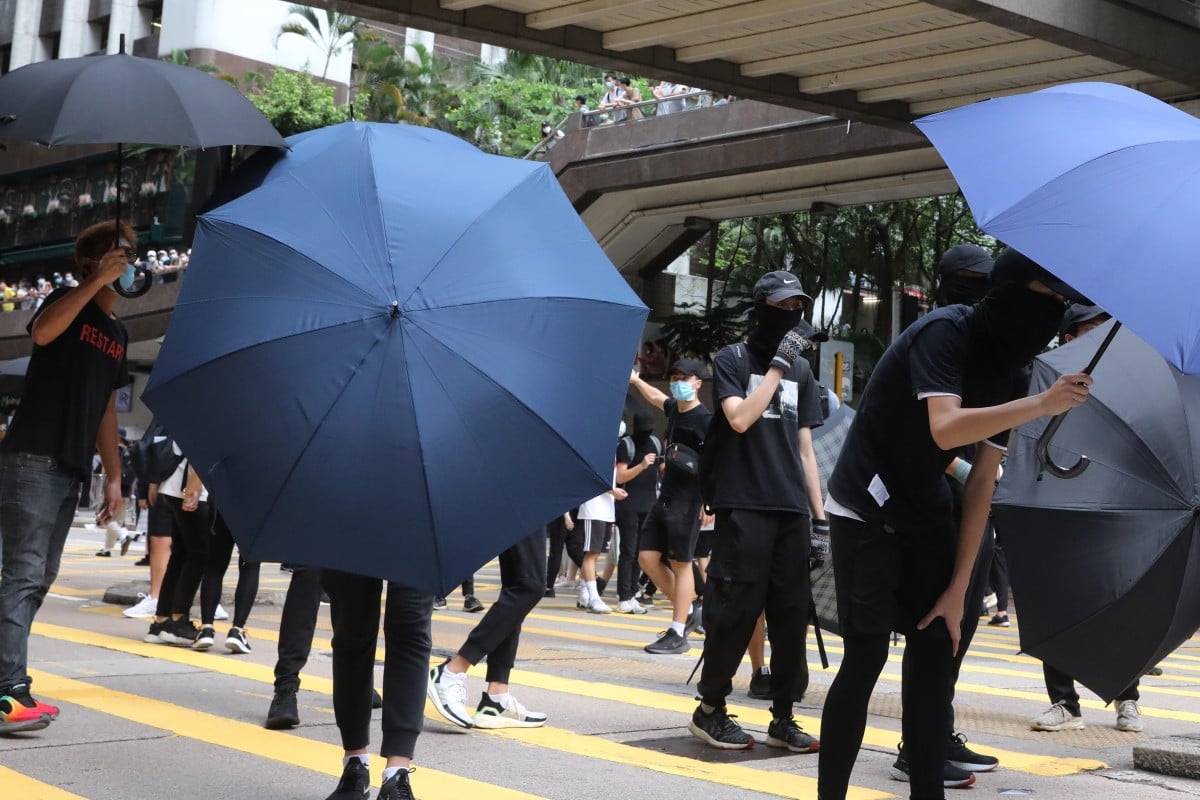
{"x":123,"y":98}
{"x":1106,"y":567}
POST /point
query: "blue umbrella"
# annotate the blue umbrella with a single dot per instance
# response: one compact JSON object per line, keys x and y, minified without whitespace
{"x":1098,"y":183}
{"x":395,"y":355}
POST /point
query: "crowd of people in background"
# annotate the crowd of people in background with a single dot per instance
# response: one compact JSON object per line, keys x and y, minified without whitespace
{"x":27,"y":294}
{"x":623,"y":100}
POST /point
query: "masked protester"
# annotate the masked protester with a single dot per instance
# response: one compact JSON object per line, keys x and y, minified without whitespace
{"x":963,"y":272}
{"x":903,"y":562}
{"x":765,"y":492}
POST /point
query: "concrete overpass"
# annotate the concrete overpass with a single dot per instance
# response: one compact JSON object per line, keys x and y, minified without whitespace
{"x":882,"y":60}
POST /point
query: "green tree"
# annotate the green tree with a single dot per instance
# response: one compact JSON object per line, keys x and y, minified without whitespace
{"x":390,"y":88}
{"x":296,"y":102}
{"x":331,"y":31}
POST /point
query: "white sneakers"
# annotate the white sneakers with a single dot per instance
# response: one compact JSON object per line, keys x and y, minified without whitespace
{"x":448,"y":691}
{"x":593,"y":605}
{"x":598,"y":606}
{"x":630,"y":607}
{"x":1057,"y":718}
{"x":506,"y":712}
{"x":1129,"y":716}
{"x":220,"y":613}
{"x":145,"y":607}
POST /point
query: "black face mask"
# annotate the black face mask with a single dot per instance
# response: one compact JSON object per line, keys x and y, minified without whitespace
{"x":965,"y":291}
{"x":773,"y":325}
{"x":1012,"y":324}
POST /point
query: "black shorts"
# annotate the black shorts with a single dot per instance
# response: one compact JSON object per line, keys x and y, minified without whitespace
{"x":704,"y":544}
{"x":671,"y":529}
{"x":596,"y":534}
{"x":888,"y":580}
{"x":160,"y":521}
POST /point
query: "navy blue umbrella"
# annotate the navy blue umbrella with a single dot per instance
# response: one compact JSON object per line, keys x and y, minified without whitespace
{"x":395,"y":355}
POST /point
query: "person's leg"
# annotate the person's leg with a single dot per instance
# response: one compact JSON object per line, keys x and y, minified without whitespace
{"x":194,"y":527}
{"x":468,"y":586}
{"x":757,"y":647}
{"x":296,"y":626}
{"x":999,"y":577}
{"x":160,"y":528}
{"x":683,"y":590}
{"x":557,"y":535}
{"x":216,"y":564}
{"x":177,"y":556}
{"x":865,"y":560}
{"x":627,"y":563}
{"x":1061,"y":688}
{"x":354,"y":612}
{"x":786,"y":607}
{"x":574,"y":544}
{"x":37,"y":505}
{"x":1129,"y":716}
{"x":407,"y":644}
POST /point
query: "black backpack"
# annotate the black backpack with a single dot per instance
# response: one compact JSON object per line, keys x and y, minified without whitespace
{"x":154,"y":461}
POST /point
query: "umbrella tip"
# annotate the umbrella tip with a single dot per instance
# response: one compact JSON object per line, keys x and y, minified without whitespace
{"x":395,"y":309}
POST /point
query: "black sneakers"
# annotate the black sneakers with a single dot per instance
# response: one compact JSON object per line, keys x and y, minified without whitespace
{"x":760,"y":684}
{"x":952,"y":776}
{"x":355,"y":783}
{"x":471,"y":604}
{"x":397,"y":787}
{"x":963,"y":757}
{"x":181,"y":632}
{"x":695,"y":617}
{"x":283,"y":713}
{"x":439,"y":602}
{"x":236,"y":641}
{"x":784,"y":732}
{"x":719,"y":730}
{"x":668,"y":643}
{"x":205,"y":638}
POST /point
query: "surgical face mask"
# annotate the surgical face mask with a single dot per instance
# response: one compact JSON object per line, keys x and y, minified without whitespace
{"x":683,"y":391}
{"x":621,"y":428}
{"x":609,"y":84}
{"x":126,"y":280}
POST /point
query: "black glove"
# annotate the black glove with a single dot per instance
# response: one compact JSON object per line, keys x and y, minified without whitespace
{"x":819,"y":550}
{"x":790,"y":348}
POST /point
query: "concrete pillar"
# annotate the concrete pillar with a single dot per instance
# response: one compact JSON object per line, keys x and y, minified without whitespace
{"x":72,"y":40}
{"x":492,"y":55}
{"x":124,"y":20}
{"x":414,"y":36}
{"x":26,"y":26}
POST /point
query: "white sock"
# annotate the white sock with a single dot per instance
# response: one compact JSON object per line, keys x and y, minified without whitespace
{"x":365,"y":758}
{"x":677,"y":627}
{"x":499,"y":698}
{"x":593,"y":593}
{"x":388,"y":772}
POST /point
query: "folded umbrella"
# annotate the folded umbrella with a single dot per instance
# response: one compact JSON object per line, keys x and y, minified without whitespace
{"x":1099,"y":184}
{"x":395,"y":355}
{"x":1106,"y":566}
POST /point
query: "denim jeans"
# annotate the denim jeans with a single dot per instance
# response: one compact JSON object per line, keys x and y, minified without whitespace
{"x":37,"y":505}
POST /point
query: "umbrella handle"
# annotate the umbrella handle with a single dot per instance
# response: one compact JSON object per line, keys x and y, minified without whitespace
{"x":1042,"y":449}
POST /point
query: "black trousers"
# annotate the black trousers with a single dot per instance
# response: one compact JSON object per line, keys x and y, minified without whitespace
{"x":1061,"y":688}
{"x":296,"y":627}
{"x":998,"y":575}
{"x":354,"y":611}
{"x":974,"y":600}
{"x":522,"y":585}
{"x":189,"y":553}
{"x":888,"y":580}
{"x":629,"y":525}
{"x":220,"y":550}
{"x":557,"y":533}
{"x":759,"y":562}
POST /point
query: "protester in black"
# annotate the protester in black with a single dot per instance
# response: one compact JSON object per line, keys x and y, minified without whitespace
{"x":638,"y":463}
{"x":672,"y":528}
{"x":67,"y":412}
{"x":766,"y":493}
{"x":953,"y":378}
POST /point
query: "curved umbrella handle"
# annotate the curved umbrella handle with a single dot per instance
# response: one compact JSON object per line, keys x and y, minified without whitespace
{"x":1042,"y":449}
{"x":147,"y":282}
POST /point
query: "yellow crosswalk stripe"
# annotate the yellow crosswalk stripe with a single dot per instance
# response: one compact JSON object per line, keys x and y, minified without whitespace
{"x":21,"y":786}
{"x":777,"y":783}
{"x":243,"y":737}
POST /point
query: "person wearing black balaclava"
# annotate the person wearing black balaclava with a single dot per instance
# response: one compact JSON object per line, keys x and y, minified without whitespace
{"x":952,"y":379}
{"x":963,"y":273}
{"x":765,"y":491}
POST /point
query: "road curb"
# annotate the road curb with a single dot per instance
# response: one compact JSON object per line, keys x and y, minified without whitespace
{"x":1178,"y":756}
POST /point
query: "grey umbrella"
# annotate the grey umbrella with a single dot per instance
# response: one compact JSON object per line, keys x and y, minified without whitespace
{"x":12,"y":375}
{"x":1113,"y":554}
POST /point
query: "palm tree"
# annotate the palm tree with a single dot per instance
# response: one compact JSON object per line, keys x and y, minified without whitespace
{"x":333,"y":32}
{"x":390,"y":88}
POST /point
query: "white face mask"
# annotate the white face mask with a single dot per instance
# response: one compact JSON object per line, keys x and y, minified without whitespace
{"x":621,"y":429}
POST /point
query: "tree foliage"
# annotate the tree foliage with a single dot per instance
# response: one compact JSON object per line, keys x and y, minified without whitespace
{"x":330,"y":31}
{"x":387,"y":87}
{"x":295,"y":102}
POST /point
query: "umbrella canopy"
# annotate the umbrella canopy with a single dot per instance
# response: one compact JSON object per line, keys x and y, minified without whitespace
{"x":396,"y":355}
{"x":1098,"y":183}
{"x":827,"y":446}
{"x":124,"y":98}
{"x":1114,"y":551}
{"x":12,"y":375}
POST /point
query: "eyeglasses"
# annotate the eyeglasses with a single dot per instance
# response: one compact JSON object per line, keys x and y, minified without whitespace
{"x":130,"y":255}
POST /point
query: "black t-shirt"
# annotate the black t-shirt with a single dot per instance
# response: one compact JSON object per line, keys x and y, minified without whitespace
{"x":68,"y":386}
{"x":688,"y":428}
{"x":890,"y":469}
{"x":643,"y":488}
{"x":761,"y":468}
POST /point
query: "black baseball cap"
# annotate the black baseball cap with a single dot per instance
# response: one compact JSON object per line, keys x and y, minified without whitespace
{"x":689,"y":368}
{"x":1076,"y":315}
{"x":778,"y":285}
{"x":970,"y":257}
{"x":1012,"y":266}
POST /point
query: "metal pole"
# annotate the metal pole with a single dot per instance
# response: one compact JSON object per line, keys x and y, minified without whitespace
{"x":839,"y":364}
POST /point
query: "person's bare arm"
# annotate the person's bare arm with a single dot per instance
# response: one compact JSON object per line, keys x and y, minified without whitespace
{"x":743,"y":412}
{"x":55,"y":319}
{"x":953,"y":426}
{"x":107,"y":439}
{"x":812,"y":478}
{"x":977,"y":504}
{"x":653,"y":395}
{"x":626,"y":473}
